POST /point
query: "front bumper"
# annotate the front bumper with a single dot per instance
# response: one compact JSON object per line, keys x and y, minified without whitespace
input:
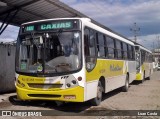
{"x":139,"y":76}
{"x":60,"y":95}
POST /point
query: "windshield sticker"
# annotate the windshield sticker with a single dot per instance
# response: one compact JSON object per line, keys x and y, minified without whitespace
{"x":39,"y":68}
{"x":23,"y":66}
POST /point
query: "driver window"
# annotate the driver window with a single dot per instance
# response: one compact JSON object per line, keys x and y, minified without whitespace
{"x":90,"y":50}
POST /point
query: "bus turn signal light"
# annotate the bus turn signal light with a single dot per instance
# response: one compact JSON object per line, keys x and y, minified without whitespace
{"x":79,"y":78}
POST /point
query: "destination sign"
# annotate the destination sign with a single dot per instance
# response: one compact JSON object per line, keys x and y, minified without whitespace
{"x":60,"y":25}
{"x":45,"y":26}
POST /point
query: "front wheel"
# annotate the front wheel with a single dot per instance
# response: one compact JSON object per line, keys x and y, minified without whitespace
{"x":126,"y":86}
{"x":97,"y":100}
{"x":142,"y":81}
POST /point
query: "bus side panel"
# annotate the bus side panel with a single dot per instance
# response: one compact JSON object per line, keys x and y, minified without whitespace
{"x":114,"y":72}
{"x":132,"y":70}
{"x":148,"y":69}
{"x":91,"y":89}
{"x":114,"y":82}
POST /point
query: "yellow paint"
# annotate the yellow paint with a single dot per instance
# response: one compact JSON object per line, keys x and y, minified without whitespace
{"x":103,"y":68}
{"x":77,"y":91}
{"x":22,"y":92}
{"x":58,"y":82}
{"x":31,"y":79}
{"x":139,"y":76}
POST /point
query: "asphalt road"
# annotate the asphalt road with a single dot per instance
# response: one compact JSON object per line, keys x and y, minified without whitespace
{"x":144,"y":96}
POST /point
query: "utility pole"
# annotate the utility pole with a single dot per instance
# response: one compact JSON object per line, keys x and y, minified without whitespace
{"x":158,"y":42}
{"x":135,"y":30}
{"x":153,"y":46}
{"x":158,"y":49}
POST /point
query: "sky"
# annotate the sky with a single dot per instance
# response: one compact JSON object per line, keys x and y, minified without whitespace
{"x":118,"y":15}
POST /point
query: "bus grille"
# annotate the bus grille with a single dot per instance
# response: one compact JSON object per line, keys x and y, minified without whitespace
{"x":44,"y":95}
{"x":48,"y":86}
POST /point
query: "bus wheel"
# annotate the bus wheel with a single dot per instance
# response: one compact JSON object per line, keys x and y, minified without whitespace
{"x":97,"y":100}
{"x":126,"y":86}
{"x":143,"y":77}
{"x":149,"y":77}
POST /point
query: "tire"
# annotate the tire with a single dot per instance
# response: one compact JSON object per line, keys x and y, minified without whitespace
{"x":97,"y":100}
{"x":143,"y":78}
{"x":126,"y":86}
{"x":149,"y":77}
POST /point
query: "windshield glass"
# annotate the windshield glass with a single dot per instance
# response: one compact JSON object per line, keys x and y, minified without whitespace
{"x":49,"y":52}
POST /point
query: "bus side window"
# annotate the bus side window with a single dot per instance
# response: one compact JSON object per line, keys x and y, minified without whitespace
{"x":110,"y":46}
{"x":119,"y":49}
{"x":86,"y":42}
{"x":125,"y":56}
{"x":130,"y":52}
{"x":100,"y":45}
{"x":142,"y":56}
{"x":90,"y":49}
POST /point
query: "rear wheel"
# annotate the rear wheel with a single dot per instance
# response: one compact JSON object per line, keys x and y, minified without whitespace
{"x":126,"y":86}
{"x":149,"y":75}
{"x":97,"y":100}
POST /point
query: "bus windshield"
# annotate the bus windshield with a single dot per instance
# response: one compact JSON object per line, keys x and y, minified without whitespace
{"x":53,"y":52}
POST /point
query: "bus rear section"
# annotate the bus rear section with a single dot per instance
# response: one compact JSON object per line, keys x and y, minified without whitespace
{"x":144,"y":63}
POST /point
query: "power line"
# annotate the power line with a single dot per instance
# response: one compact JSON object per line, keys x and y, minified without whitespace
{"x":95,"y":5}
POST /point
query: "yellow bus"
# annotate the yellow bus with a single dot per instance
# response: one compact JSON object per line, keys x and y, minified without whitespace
{"x":144,"y":63}
{"x":71,"y":60}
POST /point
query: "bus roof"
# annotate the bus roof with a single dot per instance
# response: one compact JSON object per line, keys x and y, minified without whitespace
{"x":109,"y":32}
{"x":54,"y":19}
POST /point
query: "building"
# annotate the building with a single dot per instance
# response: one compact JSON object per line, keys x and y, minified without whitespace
{"x":7,"y":67}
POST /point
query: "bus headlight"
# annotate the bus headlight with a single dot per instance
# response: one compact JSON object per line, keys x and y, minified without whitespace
{"x":68,"y":85}
{"x":74,"y":82}
{"x":20,"y":83}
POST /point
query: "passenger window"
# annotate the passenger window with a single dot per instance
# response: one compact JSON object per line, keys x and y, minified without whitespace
{"x":119,"y":49}
{"x":125,"y":56}
{"x":86,"y":42}
{"x":110,"y":46}
{"x":100,"y":45}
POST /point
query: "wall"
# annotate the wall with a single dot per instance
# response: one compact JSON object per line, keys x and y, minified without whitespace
{"x":7,"y":68}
